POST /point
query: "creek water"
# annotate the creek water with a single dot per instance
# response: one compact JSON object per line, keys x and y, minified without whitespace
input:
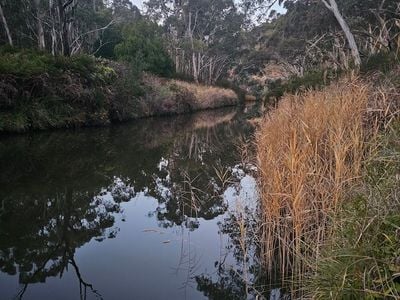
{"x":142,"y":210}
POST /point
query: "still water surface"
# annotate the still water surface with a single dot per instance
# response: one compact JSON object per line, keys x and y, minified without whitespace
{"x":144,"y":210}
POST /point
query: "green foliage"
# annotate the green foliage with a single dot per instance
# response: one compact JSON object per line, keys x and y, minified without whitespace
{"x":129,"y":90}
{"x":105,"y":47}
{"x":362,"y":259}
{"x":226,"y":84}
{"x":183,"y":77}
{"x":25,"y":62}
{"x":11,"y":121}
{"x":382,"y":61}
{"x":311,"y":80}
{"x":105,"y":74}
{"x":30,"y":62}
{"x":143,"y":48}
{"x":40,"y":91}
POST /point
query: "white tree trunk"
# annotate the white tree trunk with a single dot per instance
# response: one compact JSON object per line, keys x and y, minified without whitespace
{"x":195,"y":70}
{"x":199,"y":63}
{"x":333,"y":7}
{"x":210,"y":71}
{"x":194,"y":60}
{"x":176,"y":60}
{"x":4,"y":20}
{"x":40,"y":16}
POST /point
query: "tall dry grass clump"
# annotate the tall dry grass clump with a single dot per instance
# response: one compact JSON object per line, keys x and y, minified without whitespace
{"x":209,"y":96}
{"x":310,"y":149}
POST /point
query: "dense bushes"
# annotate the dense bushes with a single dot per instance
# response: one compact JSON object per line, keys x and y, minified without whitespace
{"x":29,"y":62}
{"x":39,"y":91}
{"x":311,"y":80}
{"x":383,"y":61}
{"x":143,"y":48}
{"x":314,"y":79}
{"x":362,"y":258}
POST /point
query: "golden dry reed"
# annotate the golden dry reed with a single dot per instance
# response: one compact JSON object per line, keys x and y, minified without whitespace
{"x":310,"y":149}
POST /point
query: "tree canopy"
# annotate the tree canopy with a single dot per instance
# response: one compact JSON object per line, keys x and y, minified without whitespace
{"x":208,"y":40}
{"x":143,"y":46}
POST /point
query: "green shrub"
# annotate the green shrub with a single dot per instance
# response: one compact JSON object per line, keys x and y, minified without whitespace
{"x":143,"y":48}
{"x":383,"y":61}
{"x":29,"y":62}
{"x":41,"y":91}
{"x":226,"y":84}
{"x":10,"y":121}
{"x":362,"y":258}
{"x":7,"y":49}
{"x":183,"y":77}
{"x":311,"y":80}
{"x":25,"y":62}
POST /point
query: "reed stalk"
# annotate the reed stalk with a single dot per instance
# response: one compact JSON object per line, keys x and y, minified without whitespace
{"x":310,"y":150}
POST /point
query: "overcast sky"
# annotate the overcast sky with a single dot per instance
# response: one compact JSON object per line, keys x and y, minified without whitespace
{"x":139,"y":3}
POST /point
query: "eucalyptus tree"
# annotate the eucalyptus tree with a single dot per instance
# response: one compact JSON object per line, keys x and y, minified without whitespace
{"x":5,"y":24}
{"x":377,"y":22}
{"x":124,"y":11}
{"x":40,"y":14}
{"x":203,"y":34}
{"x":63,"y":27}
{"x":331,"y":5}
{"x":143,"y":48}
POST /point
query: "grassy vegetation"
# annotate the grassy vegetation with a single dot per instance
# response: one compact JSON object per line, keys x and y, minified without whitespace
{"x":208,"y":96}
{"x":361,"y":259}
{"x":382,"y":62}
{"x":40,"y":91}
{"x":323,"y":219}
{"x":309,"y":150}
{"x":164,"y":96}
{"x":311,"y":80}
{"x":315,"y":79}
{"x":31,"y":62}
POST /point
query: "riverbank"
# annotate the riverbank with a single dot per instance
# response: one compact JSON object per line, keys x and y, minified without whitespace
{"x":329,"y":165}
{"x":39,"y":91}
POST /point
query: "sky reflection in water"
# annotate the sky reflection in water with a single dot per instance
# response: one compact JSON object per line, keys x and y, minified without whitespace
{"x":134,"y":211}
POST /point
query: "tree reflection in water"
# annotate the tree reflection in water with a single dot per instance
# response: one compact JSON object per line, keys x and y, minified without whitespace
{"x":243,"y":277}
{"x":60,"y":190}
{"x":39,"y":235}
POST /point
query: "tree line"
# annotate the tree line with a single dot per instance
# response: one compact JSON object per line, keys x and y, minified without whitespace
{"x":207,"y":40}
{"x":338,"y":34}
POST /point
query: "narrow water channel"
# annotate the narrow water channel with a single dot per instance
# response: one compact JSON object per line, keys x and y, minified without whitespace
{"x":143,"y":210}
